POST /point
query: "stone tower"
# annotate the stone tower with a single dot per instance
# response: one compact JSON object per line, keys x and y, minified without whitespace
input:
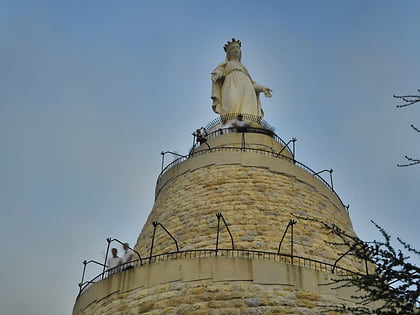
{"x":225,"y":235}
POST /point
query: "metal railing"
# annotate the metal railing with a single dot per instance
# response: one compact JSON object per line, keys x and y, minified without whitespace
{"x":221,"y":252}
{"x":255,"y":151}
{"x":268,"y":132}
{"x":110,"y":240}
{"x":230,"y":130}
{"x":232,"y":116}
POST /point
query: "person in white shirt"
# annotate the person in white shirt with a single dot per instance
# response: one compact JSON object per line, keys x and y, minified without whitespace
{"x":113,"y":262}
{"x":128,"y":256}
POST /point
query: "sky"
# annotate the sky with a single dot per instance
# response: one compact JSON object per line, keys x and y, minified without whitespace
{"x":92,"y":91}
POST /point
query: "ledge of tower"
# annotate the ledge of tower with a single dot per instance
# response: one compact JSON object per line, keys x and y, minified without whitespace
{"x":245,"y":131}
{"x":225,"y":135}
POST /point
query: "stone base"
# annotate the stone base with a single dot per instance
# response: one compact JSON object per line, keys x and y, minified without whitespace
{"x":216,"y":285}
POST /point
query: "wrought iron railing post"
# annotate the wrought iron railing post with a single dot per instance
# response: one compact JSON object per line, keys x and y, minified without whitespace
{"x":286,"y":146}
{"x":227,"y":227}
{"x":138,"y":254}
{"x":207,"y":145}
{"x":282,"y":238}
{"x":292,"y":222}
{"x":193,"y":143}
{"x":155,"y":223}
{"x":176,"y":243}
{"x":218,"y":214}
{"x":331,"y":180}
{"x":339,"y":258}
{"x":163,"y":160}
{"x":85,"y":263}
{"x":170,"y":152}
{"x":106,"y":255}
{"x":243,"y":141}
{"x":83,"y":276}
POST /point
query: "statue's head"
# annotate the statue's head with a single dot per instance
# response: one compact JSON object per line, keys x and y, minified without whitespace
{"x":233,"y":49}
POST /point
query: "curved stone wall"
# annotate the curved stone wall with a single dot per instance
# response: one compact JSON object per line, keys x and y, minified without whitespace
{"x":216,"y":285}
{"x":258,"y":193}
{"x":257,"y":196}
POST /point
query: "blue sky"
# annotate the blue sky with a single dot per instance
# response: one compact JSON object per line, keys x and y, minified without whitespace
{"x":92,"y":91}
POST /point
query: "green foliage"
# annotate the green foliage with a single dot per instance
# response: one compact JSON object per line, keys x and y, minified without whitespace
{"x":392,"y":280}
{"x":407,"y":101}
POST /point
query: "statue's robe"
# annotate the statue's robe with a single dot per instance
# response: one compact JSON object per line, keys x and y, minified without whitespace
{"x":234,"y":91}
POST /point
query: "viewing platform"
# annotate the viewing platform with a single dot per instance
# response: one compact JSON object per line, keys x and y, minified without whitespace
{"x":245,"y":267}
{"x":222,"y":140}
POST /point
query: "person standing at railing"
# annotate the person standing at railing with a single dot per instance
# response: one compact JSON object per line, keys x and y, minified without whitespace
{"x":114,"y":261}
{"x":201,"y":135}
{"x":128,"y":256}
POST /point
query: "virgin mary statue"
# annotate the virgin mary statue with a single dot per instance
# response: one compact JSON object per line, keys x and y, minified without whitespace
{"x":233,"y":90}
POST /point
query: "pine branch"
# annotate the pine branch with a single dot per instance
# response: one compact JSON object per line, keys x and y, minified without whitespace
{"x":412,"y":162}
{"x":395,"y":281}
{"x":408,"y":99}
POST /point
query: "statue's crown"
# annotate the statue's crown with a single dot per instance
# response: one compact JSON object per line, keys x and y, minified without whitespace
{"x":230,"y":43}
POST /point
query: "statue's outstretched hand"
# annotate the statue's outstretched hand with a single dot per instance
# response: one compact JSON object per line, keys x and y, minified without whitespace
{"x":267,"y":92}
{"x":260,"y":88}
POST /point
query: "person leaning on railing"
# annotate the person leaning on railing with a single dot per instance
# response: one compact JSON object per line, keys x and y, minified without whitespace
{"x":114,"y":261}
{"x":128,"y":257}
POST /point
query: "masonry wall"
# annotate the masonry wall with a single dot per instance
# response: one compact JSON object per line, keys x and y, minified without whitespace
{"x":257,"y":193}
{"x":217,"y":285}
{"x":257,"y":196}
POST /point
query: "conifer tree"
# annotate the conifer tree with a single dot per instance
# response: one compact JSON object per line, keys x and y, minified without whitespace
{"x":391,"y":278}
{"x":409,"y":100}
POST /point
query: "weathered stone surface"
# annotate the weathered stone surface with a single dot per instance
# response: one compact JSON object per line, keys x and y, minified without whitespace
{"x":256,"y":202}
{"x":257,"y":196}
{"x":294,"y":290}
{"x":262,"y":299}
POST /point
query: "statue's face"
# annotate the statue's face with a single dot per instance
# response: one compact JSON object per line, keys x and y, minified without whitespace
{"x":234,"y":51}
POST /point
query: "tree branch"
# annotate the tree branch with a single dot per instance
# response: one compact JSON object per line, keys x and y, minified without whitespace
{"x":408,"y":99}
{"x":411,"y":160}
{"x":395,"y":281}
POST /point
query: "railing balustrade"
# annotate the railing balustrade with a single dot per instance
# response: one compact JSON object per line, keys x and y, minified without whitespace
{"x":251,"y":150}
{"x":224,"y":252}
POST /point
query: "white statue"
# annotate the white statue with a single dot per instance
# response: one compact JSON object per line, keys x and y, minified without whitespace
{"x":233,"y":90}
